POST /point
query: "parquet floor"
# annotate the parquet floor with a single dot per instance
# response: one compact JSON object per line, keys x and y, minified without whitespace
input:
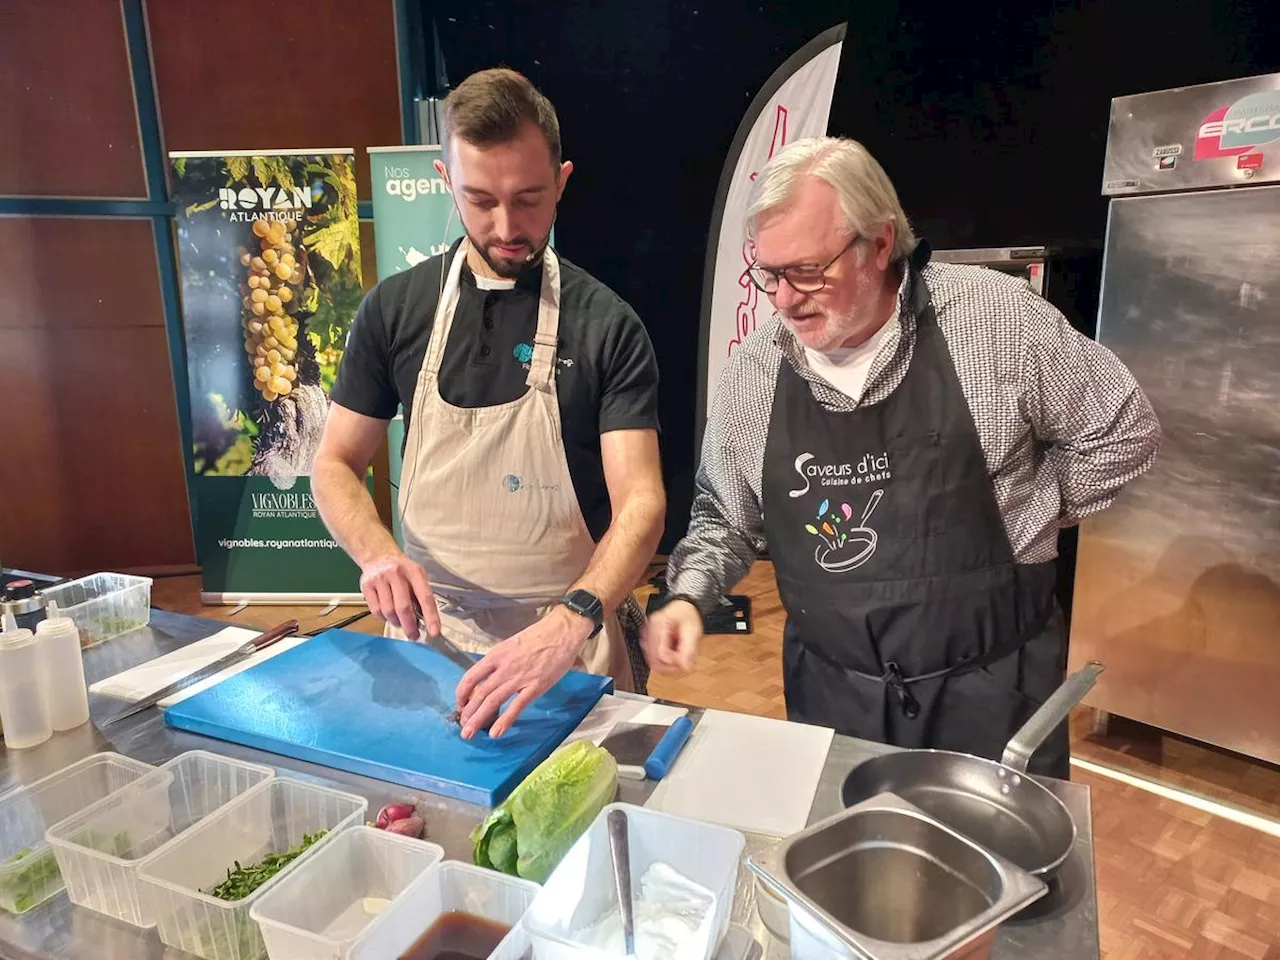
{"x":1174,"y":883}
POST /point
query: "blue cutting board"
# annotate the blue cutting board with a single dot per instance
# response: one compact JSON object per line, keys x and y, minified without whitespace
{"x":375,"y":706}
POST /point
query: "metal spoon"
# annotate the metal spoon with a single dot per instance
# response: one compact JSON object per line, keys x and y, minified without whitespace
{"x":621,"y":851}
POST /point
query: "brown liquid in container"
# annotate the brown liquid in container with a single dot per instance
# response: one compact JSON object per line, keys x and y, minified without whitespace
{"x":457,"y":936}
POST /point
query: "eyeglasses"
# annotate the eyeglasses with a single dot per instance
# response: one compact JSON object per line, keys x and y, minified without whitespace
{"x":804,"y":278}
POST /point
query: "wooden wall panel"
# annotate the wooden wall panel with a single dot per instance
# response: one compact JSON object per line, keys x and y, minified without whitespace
{"x":78,"y":271}
{"x":264,"y":74}
{"x":68,"y":126}
{"x":91,"y":474}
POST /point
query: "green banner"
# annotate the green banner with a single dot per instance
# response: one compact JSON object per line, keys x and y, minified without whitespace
{"x":269,"y":250}
{"x":413,"y":214}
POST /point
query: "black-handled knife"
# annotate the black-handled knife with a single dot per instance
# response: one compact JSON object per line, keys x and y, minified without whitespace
{"x":248,"y":649}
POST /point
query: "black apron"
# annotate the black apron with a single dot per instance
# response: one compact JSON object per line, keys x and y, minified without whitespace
{"x":908,"y":621}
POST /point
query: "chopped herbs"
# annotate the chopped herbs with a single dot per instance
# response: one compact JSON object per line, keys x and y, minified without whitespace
{"x":242,"y":881}
{"x":33,"y":882}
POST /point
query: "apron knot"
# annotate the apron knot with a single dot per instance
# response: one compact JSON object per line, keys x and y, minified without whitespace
{"x":893,"y":677}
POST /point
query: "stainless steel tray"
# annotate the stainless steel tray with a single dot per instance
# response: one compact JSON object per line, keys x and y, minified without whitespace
{"x":885,"y":881}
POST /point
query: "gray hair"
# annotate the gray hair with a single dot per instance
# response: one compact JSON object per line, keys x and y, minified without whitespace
{"x":866,"y":194}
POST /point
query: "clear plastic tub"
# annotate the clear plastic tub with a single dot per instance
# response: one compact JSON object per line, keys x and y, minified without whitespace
{"x":100,"y":848}
{"x":177,"y":881}
{"x":317,"y":911}
{"x":104,"y":605}
{"x":580,"y":890}
{"x":29,"y":872}
{"x":450,"y":886}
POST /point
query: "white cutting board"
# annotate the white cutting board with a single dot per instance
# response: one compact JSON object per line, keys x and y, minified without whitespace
{"x":145,"y":679}
{"x":751,"y":773}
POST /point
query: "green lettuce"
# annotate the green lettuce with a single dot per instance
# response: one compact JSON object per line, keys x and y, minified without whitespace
{"x":529,"y":832}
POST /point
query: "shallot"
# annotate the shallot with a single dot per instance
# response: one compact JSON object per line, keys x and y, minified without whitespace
{"x":393,"y":812}
{"x":408,"y":827}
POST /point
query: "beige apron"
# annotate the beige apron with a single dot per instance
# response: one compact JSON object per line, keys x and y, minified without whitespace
{"x":487,"y":504}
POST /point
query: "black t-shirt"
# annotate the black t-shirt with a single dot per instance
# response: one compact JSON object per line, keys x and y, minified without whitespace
{"x":606,"y":371}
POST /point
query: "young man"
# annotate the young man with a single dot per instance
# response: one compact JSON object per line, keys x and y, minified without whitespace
{"x":531,"y":493}
{"x":907,"y":439}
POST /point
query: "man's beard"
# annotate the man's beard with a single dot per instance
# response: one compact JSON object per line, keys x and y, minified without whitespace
{"x":833,"y":331}
{"x":506,"y":268}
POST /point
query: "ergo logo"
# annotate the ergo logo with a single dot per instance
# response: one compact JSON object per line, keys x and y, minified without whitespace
{"x":1248,"y":123}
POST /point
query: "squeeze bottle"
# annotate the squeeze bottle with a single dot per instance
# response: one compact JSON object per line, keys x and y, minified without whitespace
{"x":24,"y":711}
{"x":62,"y":666}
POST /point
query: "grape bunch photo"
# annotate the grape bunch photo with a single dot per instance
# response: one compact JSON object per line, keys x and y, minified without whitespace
{"x":270,"y":259}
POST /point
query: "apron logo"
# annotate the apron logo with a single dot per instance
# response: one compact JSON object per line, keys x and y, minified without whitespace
{"x":872,"y":468}
{"x":842,"y":547}
{"x":512,"y":484}
{"x":523,"y":352}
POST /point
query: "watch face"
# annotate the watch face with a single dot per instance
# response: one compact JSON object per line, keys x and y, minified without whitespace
{"x":580,"y":601}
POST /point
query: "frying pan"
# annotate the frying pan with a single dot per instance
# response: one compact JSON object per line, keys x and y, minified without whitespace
{"x":997,"y":805}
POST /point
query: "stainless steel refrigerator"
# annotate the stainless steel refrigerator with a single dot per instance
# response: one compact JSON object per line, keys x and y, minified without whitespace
{"x":1178,"y":584}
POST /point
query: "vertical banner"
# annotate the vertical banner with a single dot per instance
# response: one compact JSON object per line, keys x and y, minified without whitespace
{"x":413,"y":220}
{"x":413,"y":214}
{"x":795,"y":103}
{"x":269,"y":250}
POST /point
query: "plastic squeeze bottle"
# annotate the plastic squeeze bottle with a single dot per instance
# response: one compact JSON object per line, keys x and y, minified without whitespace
{"x":24,"y":710}
{"x":62,"y":665}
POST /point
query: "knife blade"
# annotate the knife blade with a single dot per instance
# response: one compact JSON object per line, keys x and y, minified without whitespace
{"x":247,"y":649}
{"x":440,"y":643}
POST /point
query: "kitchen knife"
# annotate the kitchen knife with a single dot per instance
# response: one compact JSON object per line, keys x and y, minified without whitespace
{"x":247,"y":649}
{"x":441,"y":644}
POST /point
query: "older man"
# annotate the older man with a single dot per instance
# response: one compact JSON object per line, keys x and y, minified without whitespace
{"x":907,"y":438}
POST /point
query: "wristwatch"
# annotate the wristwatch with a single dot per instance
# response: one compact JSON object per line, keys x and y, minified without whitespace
{"x":586,"y":604}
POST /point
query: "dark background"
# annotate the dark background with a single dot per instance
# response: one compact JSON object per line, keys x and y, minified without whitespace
{"x":991,"y":119}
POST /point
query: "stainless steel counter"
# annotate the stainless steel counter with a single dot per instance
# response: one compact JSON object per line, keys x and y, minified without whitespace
{"x":1062,"y":925}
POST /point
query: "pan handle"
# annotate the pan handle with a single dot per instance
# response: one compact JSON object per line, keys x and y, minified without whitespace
{"x":1051,"y":713}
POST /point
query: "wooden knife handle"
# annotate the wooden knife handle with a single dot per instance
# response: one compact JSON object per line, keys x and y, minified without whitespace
{"x":278,"y":632}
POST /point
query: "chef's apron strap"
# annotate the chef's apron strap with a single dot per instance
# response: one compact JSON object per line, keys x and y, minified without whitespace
{"x":542,"y":367}
{"x":443,"y":320}
{"x":920,"y":254}
{"x":921,"y":300}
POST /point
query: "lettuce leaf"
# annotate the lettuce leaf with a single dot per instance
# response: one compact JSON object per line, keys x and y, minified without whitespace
{"x":530,"y":832}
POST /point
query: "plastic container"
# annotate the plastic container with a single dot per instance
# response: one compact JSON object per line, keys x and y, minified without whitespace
{"x":580,"y":890}
{"x":317,"y":911}
{"x":100,"y":848}
{"x":62,"y":665}
{"x":24,"y":709}
{"x":449,"y":886}
{"x":271,"y":820}
{"x":104,"y":605}
{"x":29,"y":872}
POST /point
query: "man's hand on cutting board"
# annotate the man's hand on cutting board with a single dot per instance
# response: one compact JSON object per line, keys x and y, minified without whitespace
{"x":392,"y":585}
{"x":525,"y":666}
